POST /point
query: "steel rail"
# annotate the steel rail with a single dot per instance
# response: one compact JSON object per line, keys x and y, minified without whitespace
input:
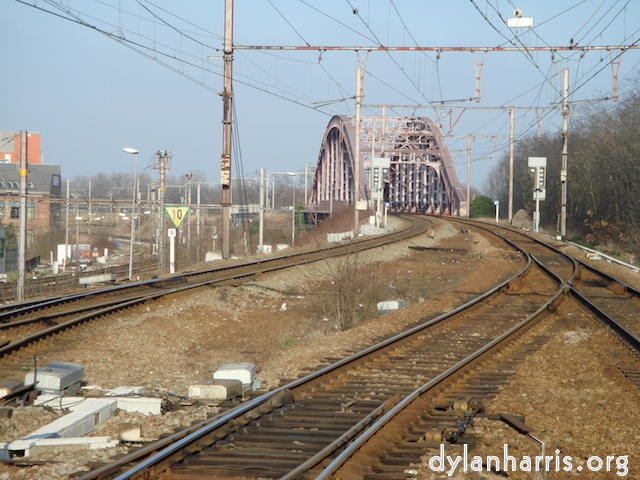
{"x":501,"y":340}
{"x":564,"y":288}
{"x":297,"y":258}
{"x":631,"y":338}
{"x":223,"y":274}
{"x":174,"y":451}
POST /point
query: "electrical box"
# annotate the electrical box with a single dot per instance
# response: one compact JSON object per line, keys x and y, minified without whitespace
{"x":57,"y":377}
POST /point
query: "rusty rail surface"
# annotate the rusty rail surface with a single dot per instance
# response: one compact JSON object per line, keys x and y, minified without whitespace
{"x":25,"y":324}
{"x":394,"y":444}
{"x":296,"y":427}
{"x":367,"y":415}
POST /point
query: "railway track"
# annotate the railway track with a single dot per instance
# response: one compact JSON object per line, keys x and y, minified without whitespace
{"x":376,"y":412}
{"x":27,"y":327}
{"x":63,"y":284}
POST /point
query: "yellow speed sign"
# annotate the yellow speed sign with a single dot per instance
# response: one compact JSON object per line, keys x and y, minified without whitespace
{"x":177,"y":214}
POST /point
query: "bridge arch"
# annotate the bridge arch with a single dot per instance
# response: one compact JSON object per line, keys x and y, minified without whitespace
{"x":421,"y":178}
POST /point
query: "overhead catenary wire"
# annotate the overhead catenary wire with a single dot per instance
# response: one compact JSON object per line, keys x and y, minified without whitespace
{"x":287,"y":90}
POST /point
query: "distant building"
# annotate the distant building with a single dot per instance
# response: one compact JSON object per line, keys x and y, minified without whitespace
{"x":11,"y":147}
{"x":44,"y":191}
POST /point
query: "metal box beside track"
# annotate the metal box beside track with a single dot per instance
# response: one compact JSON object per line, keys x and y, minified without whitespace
{"x":56,"y":377}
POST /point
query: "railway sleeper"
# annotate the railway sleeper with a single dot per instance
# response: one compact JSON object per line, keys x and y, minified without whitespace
{"x":300,"y":417}
{"x":232,"y":447}
{"x":339,"y":406}
{"x":284,"y":428}
{"x":364,"y":383}
{"x":228,"y":471}
{"x":259,"y":433}
{"x":263,"y":451}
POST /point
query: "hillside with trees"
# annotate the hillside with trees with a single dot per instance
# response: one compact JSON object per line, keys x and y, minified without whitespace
{"x":603,"y":179}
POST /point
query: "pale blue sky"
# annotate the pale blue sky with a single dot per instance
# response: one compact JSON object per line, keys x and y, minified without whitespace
{"x":90,"y":95}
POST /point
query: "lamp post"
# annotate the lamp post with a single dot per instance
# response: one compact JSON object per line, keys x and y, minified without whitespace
{"x":133,"y":152}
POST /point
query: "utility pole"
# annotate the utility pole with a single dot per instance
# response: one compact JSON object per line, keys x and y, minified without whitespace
{"x":468,"y":173}
{"x":189,"y":185}
{"x":356,"y":175}
{"x":90,"y":214}
{"x":511,"y":112}
{"x":563,"y":170}
{"x":78,"y":240}
{"x":163,"y":156}
{"x":261,"y":236}
{"x":227,"y":97}
{"x":198,"y":221}
{"x":67,"y":254}
{"x":22,"y":246}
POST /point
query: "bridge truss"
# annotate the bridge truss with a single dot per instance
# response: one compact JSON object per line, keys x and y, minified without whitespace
{"x":421,"y":177}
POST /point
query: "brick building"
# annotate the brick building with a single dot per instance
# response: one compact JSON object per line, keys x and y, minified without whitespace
{"x":11,"y":147}
{"x":44,"y":185}
{"x":44,"y":191}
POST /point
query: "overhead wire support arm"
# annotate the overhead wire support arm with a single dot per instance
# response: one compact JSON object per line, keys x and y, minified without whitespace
{"x":382,"y":48}
{"x":615,"y":67}
{"x":478,"y":68}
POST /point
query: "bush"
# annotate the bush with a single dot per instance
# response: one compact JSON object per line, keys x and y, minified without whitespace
{"x":352,"y":292}
{"x":481,"y":207}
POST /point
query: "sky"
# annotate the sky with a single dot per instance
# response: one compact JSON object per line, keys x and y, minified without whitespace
{"x":95,"y":76}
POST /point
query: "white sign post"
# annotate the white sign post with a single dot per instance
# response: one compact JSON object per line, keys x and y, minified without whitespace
{"x":497,"y":204}
{"x":171,"y":232}
{"x":177,"y":214}
{"x":379,"y":170}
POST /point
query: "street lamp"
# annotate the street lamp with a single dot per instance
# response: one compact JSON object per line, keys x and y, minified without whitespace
{"x":133,"y":152}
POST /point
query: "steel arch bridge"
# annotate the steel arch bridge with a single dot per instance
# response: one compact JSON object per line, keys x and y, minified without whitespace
{"x":421,"y":177}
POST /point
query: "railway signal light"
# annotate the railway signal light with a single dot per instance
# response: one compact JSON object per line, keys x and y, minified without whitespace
{"x":538,"y":166}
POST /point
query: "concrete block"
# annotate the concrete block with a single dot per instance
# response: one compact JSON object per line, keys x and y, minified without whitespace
{"x":122,"y":391}
{"x":212,"y":256}
{"x":390,"y":305}
{"x":103,"y":278}
{"x":73,"y":444}
{"x":54,"y":377}
{"x":75,"y":424}
{"x":339,"y":237}
{"x":145,"y":405}
{"x":371,"y":229}
{"x":9,"y":385}
{"x":281,"y":246}
{"x":130,"y":432}
{"x":266,"y":249}
{"x":62,"y":402}
{"x":245,"y":372}
{"x":216,"y":390}
{"x":20,"y":448}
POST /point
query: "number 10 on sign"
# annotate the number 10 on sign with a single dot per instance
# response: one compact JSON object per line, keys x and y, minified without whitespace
{"x":177,"y":214}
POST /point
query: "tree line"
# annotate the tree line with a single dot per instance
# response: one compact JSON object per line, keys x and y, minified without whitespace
{"x":603,"y":173}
